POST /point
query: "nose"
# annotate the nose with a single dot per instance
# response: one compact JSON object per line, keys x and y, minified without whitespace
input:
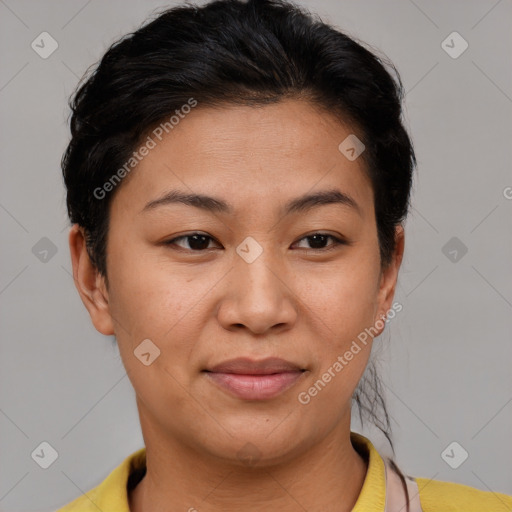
{"x":258,"y":296}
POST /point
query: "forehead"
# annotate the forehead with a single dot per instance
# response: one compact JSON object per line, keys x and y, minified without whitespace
{"x":246,"y":153}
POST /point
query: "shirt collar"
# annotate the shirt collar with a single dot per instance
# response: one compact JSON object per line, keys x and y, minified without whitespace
{"x":373,"y":492}
{"x":112,"y":493}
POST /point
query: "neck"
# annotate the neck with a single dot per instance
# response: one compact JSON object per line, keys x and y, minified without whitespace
{"x":328,"y":476}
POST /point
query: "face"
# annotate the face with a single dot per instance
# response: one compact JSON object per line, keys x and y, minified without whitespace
{"x":279,"y":259}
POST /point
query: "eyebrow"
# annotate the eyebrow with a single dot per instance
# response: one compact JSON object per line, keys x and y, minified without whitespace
{"x":215,"y":205}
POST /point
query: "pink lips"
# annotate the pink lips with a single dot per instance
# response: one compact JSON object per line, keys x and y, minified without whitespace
{"x":255,"y":380}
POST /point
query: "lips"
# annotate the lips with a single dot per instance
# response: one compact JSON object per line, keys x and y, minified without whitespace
{"x":246,"y":366}
{"x":254,"y":380}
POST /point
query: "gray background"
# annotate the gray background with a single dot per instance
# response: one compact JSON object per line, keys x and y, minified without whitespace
{"x":445,"y":358}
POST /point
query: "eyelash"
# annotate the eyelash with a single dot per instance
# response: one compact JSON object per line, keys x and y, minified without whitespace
{"x":337,"y":241}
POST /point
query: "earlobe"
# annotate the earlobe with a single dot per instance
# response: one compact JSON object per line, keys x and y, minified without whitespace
{"x":89,"y":282}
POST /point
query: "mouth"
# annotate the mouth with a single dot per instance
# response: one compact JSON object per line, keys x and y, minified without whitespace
{"x":255,"y":380}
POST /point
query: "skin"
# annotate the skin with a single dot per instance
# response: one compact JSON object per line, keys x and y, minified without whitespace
{"x":295,"y":302}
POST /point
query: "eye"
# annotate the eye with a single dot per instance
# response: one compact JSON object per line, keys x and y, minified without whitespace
{"x":319,"y":240}
{"x":197,"y":242}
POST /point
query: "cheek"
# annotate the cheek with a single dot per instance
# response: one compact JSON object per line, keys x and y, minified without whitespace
{"x":343,"y":299}
{"x":342,"y":311}
{"x":146,"y":295}
{"x":151,"y":304}
{"x":341,"y":304}
{"x":167,"y":304}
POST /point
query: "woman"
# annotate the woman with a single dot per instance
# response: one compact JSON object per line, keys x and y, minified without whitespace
{"x":237,"y":179}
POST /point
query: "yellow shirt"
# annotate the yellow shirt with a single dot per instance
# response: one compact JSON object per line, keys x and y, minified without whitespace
{"x":435,"y":496}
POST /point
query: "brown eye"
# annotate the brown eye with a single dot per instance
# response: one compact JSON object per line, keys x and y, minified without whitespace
{"x":194,"y":242}
{"x":318,"y":241}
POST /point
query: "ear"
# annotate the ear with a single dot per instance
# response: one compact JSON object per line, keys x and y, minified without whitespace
{"x":89,"y":282}
{"x":389,"y":276}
